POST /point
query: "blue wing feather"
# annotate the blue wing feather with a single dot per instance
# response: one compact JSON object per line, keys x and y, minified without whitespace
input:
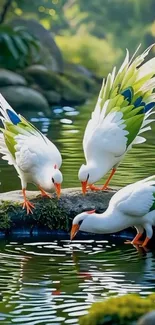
{"x":149,"y":106}
{"x":137,"y":102}
{"x":13,"y":117}
{"x":128,"y":94}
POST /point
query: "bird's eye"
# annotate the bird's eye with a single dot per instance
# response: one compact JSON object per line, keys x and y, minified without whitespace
{"x":52,"y":179}
{"x":80,"y":222}
{"x":87,"y":177}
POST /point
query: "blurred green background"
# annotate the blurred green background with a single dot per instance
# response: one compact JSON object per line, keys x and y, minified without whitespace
{"x":92,"y":33}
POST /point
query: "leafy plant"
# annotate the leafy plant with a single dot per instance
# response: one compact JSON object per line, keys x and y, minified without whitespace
{"x":119,"y":310}
{"x":95,"y":54}
{"x":18,"y":48}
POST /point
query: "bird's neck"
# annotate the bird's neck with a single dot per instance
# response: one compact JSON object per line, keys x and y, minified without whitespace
{"x":109,"y":222}
{"x":101,"y":166}
{"x":43,"y":178}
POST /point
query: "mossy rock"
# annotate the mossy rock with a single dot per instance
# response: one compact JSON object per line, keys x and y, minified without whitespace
{"x":48,"y":80}
{"x":124,"y":310}
{"x":46,"y":215}
{"x":21,"y":98}
{"x":49,"y":214}
{"x":83,"y":82}
{"x":9,"y":78}
{"x":52,"y":97}
{"x":71,"y":68}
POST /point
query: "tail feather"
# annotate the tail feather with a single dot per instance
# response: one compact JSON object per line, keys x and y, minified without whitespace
{"x":7,"y":112}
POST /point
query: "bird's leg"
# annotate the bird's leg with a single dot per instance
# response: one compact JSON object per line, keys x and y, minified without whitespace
{"x":105,"y":186}
{"x":26,"y":204}
{"x":146,"y":242}
{"x":149,"y":233}
{"x":136,"y":240}
{"x":43,"y":193}
{"x":94,"y":188}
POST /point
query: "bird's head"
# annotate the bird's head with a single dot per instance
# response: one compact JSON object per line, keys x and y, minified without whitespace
{"x":87,"y":175}
{"x":57,"y":180}
{"x":81,"y":222}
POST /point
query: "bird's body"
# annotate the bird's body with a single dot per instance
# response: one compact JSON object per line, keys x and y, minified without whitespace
{"x":35,"y":158}
{"x":133,"y":205}
{"x":121,"y":114}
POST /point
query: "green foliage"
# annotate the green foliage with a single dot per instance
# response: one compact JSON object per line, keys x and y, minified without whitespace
{"x":95,"y":33}
{"x":18,"y":48}
{"x":118,"y":310}
{"x":96,"y":55}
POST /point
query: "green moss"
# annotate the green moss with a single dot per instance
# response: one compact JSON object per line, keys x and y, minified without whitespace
{"x":6,"y":210}
{"x":47,"y":213}
{"x":118,"y":311}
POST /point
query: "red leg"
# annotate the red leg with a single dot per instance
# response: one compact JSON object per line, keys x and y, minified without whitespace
{"x":94,"y":188}
{"x":135,"y":241}
{"x":105,"y":186}
{"x":26,"y":204}
{"x":146,"y":242}
{"x":43,"y":193}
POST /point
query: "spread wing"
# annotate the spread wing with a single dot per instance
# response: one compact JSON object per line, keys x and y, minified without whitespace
{"x":22,"y":143}
{"x":108,"y":136}
{"x":135,"y":199}
{"x":31,"y":151}
{"x":126,"y":99}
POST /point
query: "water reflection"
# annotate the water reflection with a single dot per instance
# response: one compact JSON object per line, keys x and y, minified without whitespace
{"x":55,"y":282}
{"x":65,"y":129}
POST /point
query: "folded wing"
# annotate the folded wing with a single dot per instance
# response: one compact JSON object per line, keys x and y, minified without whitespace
{"x":135,"y":199}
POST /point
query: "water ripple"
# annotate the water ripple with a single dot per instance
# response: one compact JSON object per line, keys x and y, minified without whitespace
{"x":55,"y":282}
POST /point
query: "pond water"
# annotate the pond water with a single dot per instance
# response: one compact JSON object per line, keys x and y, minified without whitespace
{"x":65,"y":129}
{"x":54,"y":282}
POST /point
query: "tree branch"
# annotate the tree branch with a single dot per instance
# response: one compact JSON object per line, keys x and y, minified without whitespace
{"x":5,"y":9}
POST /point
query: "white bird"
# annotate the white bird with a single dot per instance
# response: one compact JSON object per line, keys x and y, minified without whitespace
{"x":35,"y":158}
{"x":133,"y":205}
{"x":122,"y":113}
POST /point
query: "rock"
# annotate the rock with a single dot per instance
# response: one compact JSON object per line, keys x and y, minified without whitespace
{"x":72,"y":94}
{"x":48,"y":80}
{"x":83,"y":82}
{"x":46,"y":39}
{"x":21,"y":98}
{"x":41,"y":76}
{"x":9,"y":78}
{"x":52,"y":97}
{"x":148,"y":319}
{"x":48,"y":214}
{"x":76,"y":68}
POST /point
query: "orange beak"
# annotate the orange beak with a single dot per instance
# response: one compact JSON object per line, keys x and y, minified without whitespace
{"x":74,"y":231}
{"x":84,"y":187}
{"x":58,"y":189}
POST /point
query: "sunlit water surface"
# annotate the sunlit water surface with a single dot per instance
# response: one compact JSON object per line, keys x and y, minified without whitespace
{"x":55,"y":282}
{"x":66,"y":128}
